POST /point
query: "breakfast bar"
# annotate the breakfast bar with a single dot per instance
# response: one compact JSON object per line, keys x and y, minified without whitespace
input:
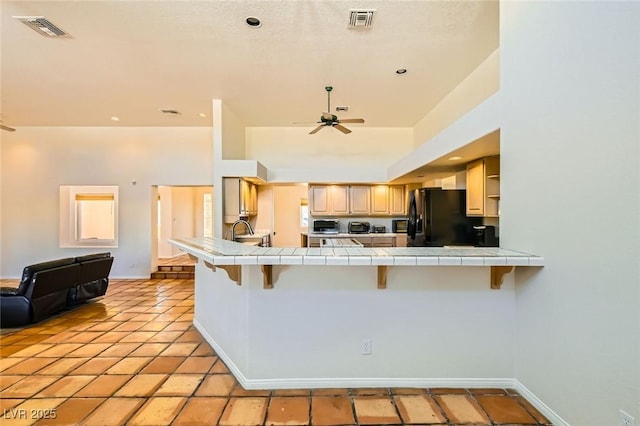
{"x":302,"y":317}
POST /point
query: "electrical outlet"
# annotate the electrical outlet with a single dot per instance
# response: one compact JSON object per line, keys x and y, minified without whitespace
{"x":624,"y":419}
{"x":365,"y":347}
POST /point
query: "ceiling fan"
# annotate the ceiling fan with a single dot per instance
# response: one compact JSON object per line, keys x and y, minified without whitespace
{"x":329,"y":120}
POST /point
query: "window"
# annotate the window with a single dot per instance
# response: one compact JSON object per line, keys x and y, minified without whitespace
{"x":88,"y":216}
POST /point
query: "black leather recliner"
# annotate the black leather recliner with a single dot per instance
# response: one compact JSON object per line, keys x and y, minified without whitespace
{"x":94,"y":277}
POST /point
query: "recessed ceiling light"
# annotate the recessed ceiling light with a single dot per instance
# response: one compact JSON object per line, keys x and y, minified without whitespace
{"x":253,"y":22}
{"x":114,"y":118}
{"x":202,"y":114}
{"x":401,"y":71}
{"x":454,"y":158}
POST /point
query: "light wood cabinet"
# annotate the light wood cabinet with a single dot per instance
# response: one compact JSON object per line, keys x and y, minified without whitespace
{"x":240,"y":199}
{"x":328,"y":200}
{"x":483,"y":187}
{"x":380,"y":200}
{"x":397,"y":200}
{"x":401,"y":240}
{"x":357,"y":200}
{"x":360,"y":200}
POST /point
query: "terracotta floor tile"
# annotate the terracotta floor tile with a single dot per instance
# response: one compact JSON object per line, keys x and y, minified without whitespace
{"x":28,"y":386}
{"x":288,"y":411}
{"x":203,"y":411}
{"x":60,"y":350}
{"x":32,"y":410}
{"x":103,"y":326}
{"x":178,"y":326}
{"x":330,"y":392}
{"x":190,"y":337}
{"x":462,"y":409}
{"x":330,"y":411}
{"x":369,"y":391}
{"x":419,"y":409}
{"x":179,"y":349}
{"x":165,"y":336}
{"x":103,"y":386}
{"x":204,"y":349}
{"x":146,"y":317}
{"x":244,"y":412}
{"x":540,"y":418}
{"x":375,"y":410}
{"x":158,"y":411}
{"x":72,"y":411}
{"x":111,"y":337}
{"x":216,"y":385}
{"x":89,"y":350}
{"x":180,"y":385}
{"x":504,"y":409}
{"x":219,"y":368}
{"x":94,"y":366}
{"x":448,"y":391}
{"x":34,"y":350}
{"x":154,"y":326}
{"x":85,"y":337}
{"x":29,"y":366}
{"x":63,"y":366}
{"x":6,"y":380}
{"x":9,"y":362}
{"x":114,"y":411}
{"x":7,"y":403}
{"x":65,"y":387}
{"x":408,"y":391}
{"x":129,"y":326}
{"x":200,"y":364}
{"x":163,"y":365}
{"x":119,"y":349}
{"x":138,"y":337}
{"x":240,"y":391}
{"x":129,"y":365}
{"x":291,"y":392}
{"x":149,"y":349}
{"x":141,"y":385}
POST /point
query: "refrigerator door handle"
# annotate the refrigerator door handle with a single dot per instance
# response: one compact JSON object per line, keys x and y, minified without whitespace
{"x":412,"y":223}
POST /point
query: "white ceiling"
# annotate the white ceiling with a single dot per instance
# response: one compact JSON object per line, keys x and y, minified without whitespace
{"x":131,"y":58}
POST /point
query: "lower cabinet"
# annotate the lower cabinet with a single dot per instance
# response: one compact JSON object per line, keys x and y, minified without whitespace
{"x":367,"y":241}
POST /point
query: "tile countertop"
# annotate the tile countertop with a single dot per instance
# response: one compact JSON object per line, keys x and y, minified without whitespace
{"x":224,"y":252}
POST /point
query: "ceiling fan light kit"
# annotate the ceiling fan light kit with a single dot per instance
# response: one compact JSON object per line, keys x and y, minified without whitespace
{"x":329,"y":120}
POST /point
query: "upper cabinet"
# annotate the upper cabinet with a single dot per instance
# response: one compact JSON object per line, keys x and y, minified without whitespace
{"x":357,"y":200}
{"x":240,"y":199}
{"x":483,"y":187}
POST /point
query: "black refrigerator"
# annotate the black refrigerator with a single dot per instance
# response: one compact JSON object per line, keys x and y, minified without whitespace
{"x":438,"y":217}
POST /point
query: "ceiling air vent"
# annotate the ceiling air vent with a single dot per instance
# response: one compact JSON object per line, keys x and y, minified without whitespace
{"x":171,"y":112}
{"x":42,"y":26}
{"x":342,"y":108}
{"x":360,"y":18}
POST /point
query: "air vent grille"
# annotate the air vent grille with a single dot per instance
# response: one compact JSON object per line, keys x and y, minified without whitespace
{"x":360,"y":18}
{"x":170,"y":112}
{"x":342,"y":108}
{"x":42,"y":26}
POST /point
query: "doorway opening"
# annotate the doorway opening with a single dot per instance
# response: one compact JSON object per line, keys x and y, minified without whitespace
{"x":178,"y":212}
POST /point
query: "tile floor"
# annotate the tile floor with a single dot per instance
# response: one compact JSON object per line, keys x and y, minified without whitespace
{"x":133,"y":357}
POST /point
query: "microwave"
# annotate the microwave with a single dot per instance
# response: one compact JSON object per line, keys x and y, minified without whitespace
{"x":325,"y":226}
{"x":399,"y":226}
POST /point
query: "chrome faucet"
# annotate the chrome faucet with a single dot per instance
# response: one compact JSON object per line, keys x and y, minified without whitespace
{"x":233,"y":228}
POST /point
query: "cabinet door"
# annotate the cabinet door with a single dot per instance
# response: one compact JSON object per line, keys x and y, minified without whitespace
{"x":319,"y":200}
{"x":397,"y":200}
{"x":380,"y":200}
{"x":382,"y":241}
{"x":253,"y":200}
{"x":231,"y":199}
{"x":245,"y":197}
{"x":339,"y":198}
{"x":360,"y":201}
{"x":365,"y":241}
{"x":401,"y":240}
{"x":475,"y":188}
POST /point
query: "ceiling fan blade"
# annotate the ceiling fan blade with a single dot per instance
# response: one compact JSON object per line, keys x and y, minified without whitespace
{"x":342,"y":129}
{"x":352,"y":120}
{"x":7,"y":128}
{"x":306,"y":122}
{"x":316,"y":130}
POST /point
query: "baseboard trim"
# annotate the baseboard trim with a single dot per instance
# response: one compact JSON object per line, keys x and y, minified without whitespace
{"x":387,"y":382}
{"x":553,"y":417}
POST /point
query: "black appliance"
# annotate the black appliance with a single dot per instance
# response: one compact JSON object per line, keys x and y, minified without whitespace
{"x":359,"y":227}
{"x":399,"y":226}
{"x":326,"y":226}
{"x":378,"y":229}
{"x":485,"y":236}
{"x":437,"y":217}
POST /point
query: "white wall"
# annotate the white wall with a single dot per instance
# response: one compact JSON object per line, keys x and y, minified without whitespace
{"x":292,"y":155}
{"x":37,"y":160}
{"x":570,"y":87}
{"x":483,"y":82}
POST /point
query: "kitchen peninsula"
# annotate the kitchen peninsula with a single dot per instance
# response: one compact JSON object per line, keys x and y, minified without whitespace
{"x":300,"y":317}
